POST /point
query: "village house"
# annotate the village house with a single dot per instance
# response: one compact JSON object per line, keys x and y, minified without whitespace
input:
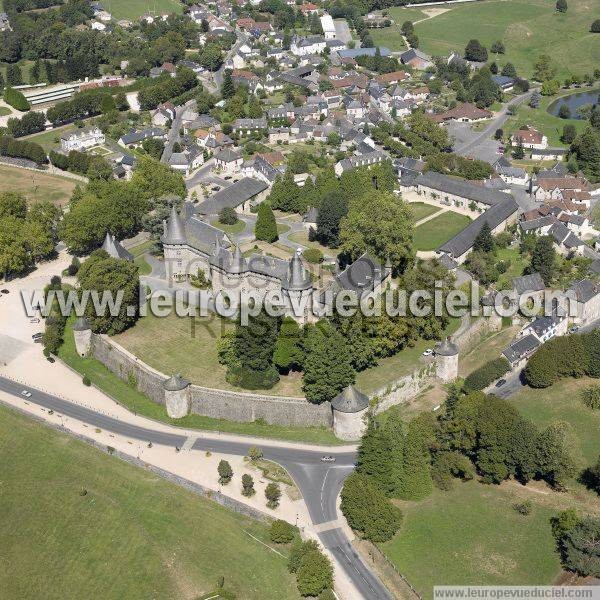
{"x":530,"y":138}
{"x":228,"y":161}
{"x":464,"y":113}
{"x":587,"y":298}
{"x":241,"y":195}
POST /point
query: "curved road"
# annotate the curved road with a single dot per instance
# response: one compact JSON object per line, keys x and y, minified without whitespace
{"x":319,"y":483}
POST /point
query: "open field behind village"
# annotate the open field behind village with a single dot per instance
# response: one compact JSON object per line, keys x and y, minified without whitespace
{"x":36,"y":186}
{"x":130,"y":535}
{"x":527,"y":28}
{"x":134,"y":9}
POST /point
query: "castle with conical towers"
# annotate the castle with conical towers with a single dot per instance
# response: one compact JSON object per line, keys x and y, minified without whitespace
{"x":191,"y":245}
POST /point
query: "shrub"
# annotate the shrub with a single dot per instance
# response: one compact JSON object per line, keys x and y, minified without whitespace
{"x":486,"y":374}
{"x":225,"y":472}
{"x":313,"y":255}
{"x":248,"y":485}
{"x":86,"y":380}
{"x":591,"y":397}
{"x":580,"y":547}
{"x":523,"y":508}
{"x":272,"y":494}
{"x":74,"y":266}
{"x":282,"y":532}
{"x":255,"y":453}
{"x":228,"y":216}
{"x":447,"y":466}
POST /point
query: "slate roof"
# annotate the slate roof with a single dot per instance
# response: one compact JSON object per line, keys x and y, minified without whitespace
{"x":528,"y":283}
{"x":464,"y":240}
{"x":355,"y":52}
{"x":175,"y":383}
{"x":446,"y":348}
{"x":585,"y":290}
{"x":114,"y":248}
{"x":364,"y":274}
{"x":233,"y":196}
{"x":462,"y":188}
{"x":350,"y":400}
{"x":521,"y":348}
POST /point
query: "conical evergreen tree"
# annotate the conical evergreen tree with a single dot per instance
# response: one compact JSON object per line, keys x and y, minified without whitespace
{"x":266,"y":226}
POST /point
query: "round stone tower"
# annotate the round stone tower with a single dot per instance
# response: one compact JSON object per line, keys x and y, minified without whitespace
{"x":446,"y":360}
{"x":177,"y":396}
{"x":349,"y":414}
{"x":82,"y":332}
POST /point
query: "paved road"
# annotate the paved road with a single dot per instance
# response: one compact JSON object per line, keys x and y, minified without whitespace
{"x":471,"y":146}
{"x":173,"y":135}
{"x":319,"y":483}
{"x":242,"y":38}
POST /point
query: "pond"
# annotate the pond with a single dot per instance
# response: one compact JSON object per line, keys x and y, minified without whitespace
{"x":574,"y":102}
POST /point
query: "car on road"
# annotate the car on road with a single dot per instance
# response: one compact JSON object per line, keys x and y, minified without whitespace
{"x":34,"y":320}
{"x":215,"y":188}
{"x":26,"y":394}
{"x":35,"y":336}
{"x":38,"y":340}
{"x":327,"y":458}
{"x":428,"y":352}
{"x":500,"y":383}
{"x":50,"y":359}
{"x":5,"y":291}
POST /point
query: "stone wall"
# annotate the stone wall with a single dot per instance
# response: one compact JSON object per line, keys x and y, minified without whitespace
{"x":405,"y":388}
{"x":208,"y":402}
{"x":476,"y":330}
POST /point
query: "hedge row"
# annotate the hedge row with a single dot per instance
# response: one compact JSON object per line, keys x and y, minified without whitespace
{"x":485,"y":375}
{"x":564,"y":356}
{"x":22,"y":149}
{"x":16,"y":99}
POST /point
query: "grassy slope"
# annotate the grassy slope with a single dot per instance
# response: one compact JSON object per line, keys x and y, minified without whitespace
{"x":527,"y":28}
{"x":133,"y":535}
{"x":36,"y":186}
{"x":561,"y":402}
{"x":472,"y":535}
{"x":134,"y":9}
{"x":438,"y":230}
{"x":141,"y":404}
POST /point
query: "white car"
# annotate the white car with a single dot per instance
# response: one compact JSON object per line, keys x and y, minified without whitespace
{"x":428,"y":352}
{"x":26,"y":394}
{"x":328,"y":458}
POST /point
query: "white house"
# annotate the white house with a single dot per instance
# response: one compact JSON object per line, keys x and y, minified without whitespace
{"x":82,"y":139}
{"x":530,"y":138}
{"x":328,"y":27}
{"x":303,"y":46}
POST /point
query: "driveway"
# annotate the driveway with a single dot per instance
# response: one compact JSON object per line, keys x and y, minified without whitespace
{"x":342,"y":31}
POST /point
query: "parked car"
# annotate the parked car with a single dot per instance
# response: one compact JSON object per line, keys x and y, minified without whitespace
{"x":5,"y":291}
{"x":38,"y":340}
{"x":34,"y":320}
{"x":50,"y":359}
{"x":574,"y":329}
{"x":428,"y":352}
{"x":26,"y":394}
{"x":327,"y":458}
{"x":35,"y":336}
{"x":500,"y":383}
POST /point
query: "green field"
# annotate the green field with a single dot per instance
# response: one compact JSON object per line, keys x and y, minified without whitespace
{"x":5,"y":111}
{"x":439,"y":230}
{"x":561,"y":402}
{"x":134,"y":9}
{"x":542,"y":120}
{"x":420,"y":210}
{"x":130,"y":535}
{"x":139,"y":403}
{"x":527,"y":28}
{"x":35,"y":185}
{"x":472,"y":535}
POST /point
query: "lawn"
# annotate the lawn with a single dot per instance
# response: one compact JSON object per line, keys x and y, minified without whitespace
{"x":542,"y":120}
{"x":50,"y":140}
{"x":420,"y":210}
{"x":393,"y":367}
{"x":234,"y":229}
{"x":472,"y":535}
{"x":131,"y":535}
{"x":118,"y":389}
{"x":301,"y":238}
{"x":35,"y":185}
{"x":391,"y":37}
{"x":182,"y":345}
{"x":527,"y":29}
{"x":561,"y":402}
{"x":5,"y":111}
{"x":134,"y":9}
{"x":439,"y":230}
